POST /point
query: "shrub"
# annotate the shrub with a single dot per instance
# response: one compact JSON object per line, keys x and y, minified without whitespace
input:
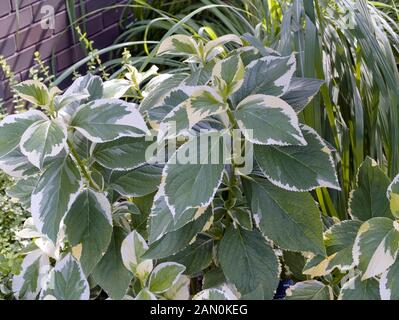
{"x":113,"y":209}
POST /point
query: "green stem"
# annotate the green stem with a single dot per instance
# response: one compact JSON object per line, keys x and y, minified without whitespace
{"x":82,"y":167}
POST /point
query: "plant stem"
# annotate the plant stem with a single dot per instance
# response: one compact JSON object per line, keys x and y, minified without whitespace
{"x":82,"y":167}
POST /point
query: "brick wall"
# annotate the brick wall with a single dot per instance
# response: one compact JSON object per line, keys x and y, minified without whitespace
{"x":22,"y":34}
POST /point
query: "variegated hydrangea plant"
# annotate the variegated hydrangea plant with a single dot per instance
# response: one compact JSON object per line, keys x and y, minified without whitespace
{"x":110,"y":218}
{"x":362,"y":253}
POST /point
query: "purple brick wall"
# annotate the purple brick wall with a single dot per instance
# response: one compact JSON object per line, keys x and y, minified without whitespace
{"x":21,"y":35}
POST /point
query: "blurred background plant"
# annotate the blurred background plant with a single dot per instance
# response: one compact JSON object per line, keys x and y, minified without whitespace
{"x":12,"y":217}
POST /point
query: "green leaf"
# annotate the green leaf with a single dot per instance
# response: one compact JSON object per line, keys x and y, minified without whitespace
{"x":133,"y":248}
{"x":270,"y":75}
{"x":177,"y":240}
{"x":34,"y":92}
{"x":248,"y":261}
{"x":389,"y":283}
{"x":110,"y":273}
{"x":83,"y":89}
{"x":67,"y":281}
{"x":301,"y":92}
{"x":122,"y":154}
{"x":294,"y":263}
{"x":242,"y":217}
{"x":22,"y":190}
{"x":203,"y":102}
{"x":393,"y":196}
{"x":44,"y":139}
{"x":87,"y":84}
{"x":159,"y":88}
{"x":12,"y":128}
{"x":376,"y":246}
{"x":214,"y":294}
{"x":89,"y":227}
{"x":196,"y":257}
{"x":268,"y":120}
{"x":27,"y":284}
{"x":109,"y":119}
{"x":138,"y":182}
{"x":180,"y":290}
{"x":339,"y":241}
{"x":213,"y":278}
{"x":299,"y":168}
{"x":146,"y":294}
{"x":193,"y":182}
{"x":164,"y":276}
{"x":228,"y":75}
{"x":178,"y":45}
{"x":55,"y":191}
{"x":357,"y":289}
{"x":368,"y":199}
{"x":212,"y":48}
{"x":310,"y":290}
{"x":290,"y":219}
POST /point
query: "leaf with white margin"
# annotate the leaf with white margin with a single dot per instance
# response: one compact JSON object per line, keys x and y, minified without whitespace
{"x":136,"y":183}
{"x":87,"y":85}
{"x":228,"y":75}
{"x":339,"y":241}
{"x":110,"y":273}
{"x":22,"y":190}
{"x":393,"y":196}
{"x":67,"y":281}
{"x":203,"y":102}
{"x":177,"y":240}
{"x":215,"y":294}
{"x":55,"y":191}
{"x":164,"y":276}
{"x":310,"y":290}
{"x":376,"y":246}
{"x":44,"y":139}
{"x":145,"y":294}
{"x":368,"y":199}
{"x":109,"y":119}
{"x":299,"y":168}
{"x":196,"y":257}
{"x":133,"y":247}
{"x":290,"y":219}
{"x":33,"y":91}
{"x":247,"y":261}
{"x":116,"y":88}
{"x":389,"y":283}
{"x":180,"y":290}
{"x":122,"y":154}
{"x":17,"y":165}
{"x":168,"y":103}
{"x":270,"y":75}
{"x":301,"y":91}
{"x":270,"y":120}
{"x":211,"y":49}
{"x":161,"y":220}
{"x":179,"y":45}
{"x":192,"y":181}
{"x":357,"y":289}
{"x":29,"y":230}
{"x":88,"y":225}
{"x":27,"y":284}
{"x":159,"y":87}
{"x":13,"y":127}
